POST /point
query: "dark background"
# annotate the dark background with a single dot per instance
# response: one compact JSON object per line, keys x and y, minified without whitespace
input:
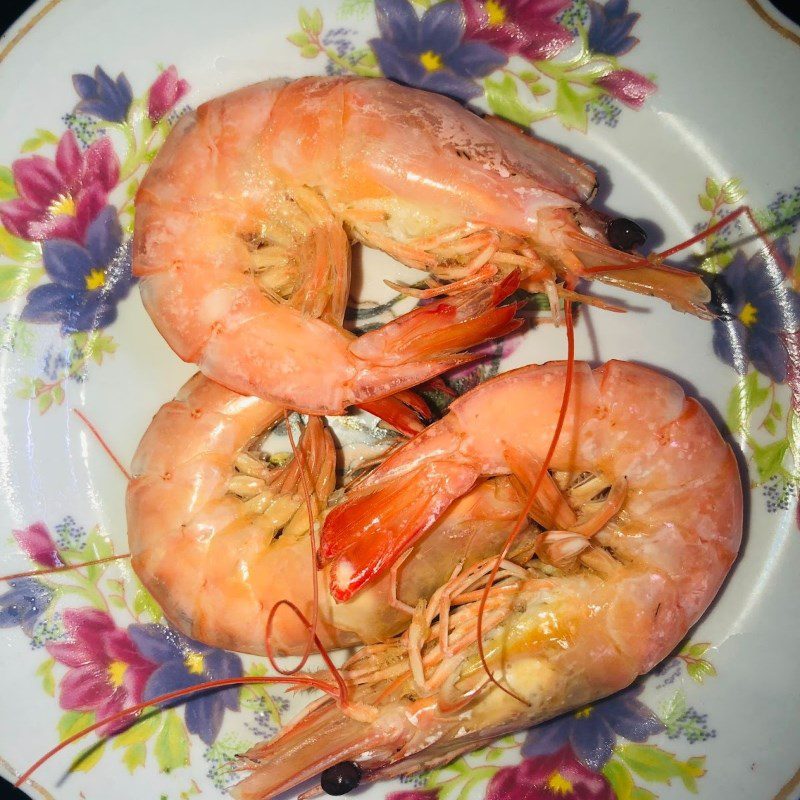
{"x":11,"y":9}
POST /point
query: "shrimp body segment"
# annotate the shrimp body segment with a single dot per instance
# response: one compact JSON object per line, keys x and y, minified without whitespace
{"x":245,"y":218}
{"x":641,"y":521}
{"x":219,"y":533}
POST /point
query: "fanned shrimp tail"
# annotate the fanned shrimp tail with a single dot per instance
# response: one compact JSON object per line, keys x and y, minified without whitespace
{"x":433,"y":338}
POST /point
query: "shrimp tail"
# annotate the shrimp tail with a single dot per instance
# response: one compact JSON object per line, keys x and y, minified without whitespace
{"x":400,"y":509}
{"x":407,"y":412}
{"x":431,"y":339}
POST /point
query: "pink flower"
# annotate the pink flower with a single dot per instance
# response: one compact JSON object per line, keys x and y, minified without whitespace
{"x":628,"y":86}
{"x":526,"y":27}
{"x":106,"y":670}
{"x":37,"y":542}
{"x":165,"y":92}
{"x":559,"y":776}
{"x":59,"y":199}
{"x":414,"y":794}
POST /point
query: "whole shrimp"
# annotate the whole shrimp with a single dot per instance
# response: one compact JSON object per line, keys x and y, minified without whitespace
{"x":641,"y":518}
{"x":219,"y":534}
{"x":244,"y":223}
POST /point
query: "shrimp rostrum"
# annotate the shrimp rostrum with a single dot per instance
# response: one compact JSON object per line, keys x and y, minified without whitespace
{"x":636,"y":526}
{"x":245,"y":219}
{"x":220,"y":529}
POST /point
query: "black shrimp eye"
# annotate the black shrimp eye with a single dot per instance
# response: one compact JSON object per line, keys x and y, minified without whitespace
{"x":341,"y":778}
{"x":625,"y":234}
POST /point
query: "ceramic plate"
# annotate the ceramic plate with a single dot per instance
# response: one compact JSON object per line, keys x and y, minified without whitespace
{"x":687,"y":110}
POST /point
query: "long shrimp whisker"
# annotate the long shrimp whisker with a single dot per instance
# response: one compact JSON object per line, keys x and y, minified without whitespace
{"x":102,"y":442}
{"x":63,"y":568}
{"x":531,"y":498}
{"x":302,"y":680}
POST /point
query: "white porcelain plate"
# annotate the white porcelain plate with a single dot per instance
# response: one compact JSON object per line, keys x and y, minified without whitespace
{"x":687,"y":110}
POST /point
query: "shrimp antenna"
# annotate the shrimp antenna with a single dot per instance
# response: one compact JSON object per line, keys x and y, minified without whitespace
{"x":518,"y":525}
{"x":312,"y":625}
{"x":63,"y":568}
{"x":297,"y":680}
{"x":704,"y":234}
{"x":67,"y":567}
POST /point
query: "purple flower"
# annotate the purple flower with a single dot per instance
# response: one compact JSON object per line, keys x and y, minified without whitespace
{"x":103,"y":97}
{"x":553,"y":777}
{"x":59,"y":199}
{"x":592,"y":732}
{"x":628,"y":86}
{"x":429,"y":51}
{"x":166,"y":91}
{"x":758,"y":313}
{"x":524,"y":27}
{"x":38,"y":544}
{"x":106,"y":672}
{"x":610,"y":26}
{"x":87,"y":282}
{"x":184,"y":662}
{"x":24,"y":603}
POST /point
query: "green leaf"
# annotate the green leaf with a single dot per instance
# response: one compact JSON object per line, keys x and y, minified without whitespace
{"x":503,"y":99}
{"x":700,"y":670}
{"x":706,"y":203}
{"x":8,"y":189}
{"x":732,"y":191}
{"x":18,"y":249}
{"x":776,"y":410}
{"x":673,"y":709}
{"x":712,"y":188}
{"x":31,"y":145}
{"x":73,"y":722}
{"x":300,"y":39}
{"x":655,"y":765}
{"x":45,"y":672}
{"x":140,"y":731}
{"x":44,"y":401}
{"x":27,"y":389}
{"x":696,"y":650}
{"x":316,"y":21}
{"x":620,"y":778}
{"x":310,"y":51}
{"x":135,"y":756}
{"x":639,"y":793}
{"x":306,"y":20}
{"x":770,"y":426}
{"x":769,"y":458}
{"x":97,"y":546}
{"x":143,"y":603}
{"x":745,"y":398}
{"x":132,"y":188}
{"x":89,"y":757}
{"x":172,"y":745}
{"x":571,"y":107}
{"x":17,"y":280}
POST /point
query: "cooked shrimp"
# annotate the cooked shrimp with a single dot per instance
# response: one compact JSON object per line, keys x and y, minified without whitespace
{"x":243,"y":219}
{"x":220,"y":535}
{"x":642,"y":513}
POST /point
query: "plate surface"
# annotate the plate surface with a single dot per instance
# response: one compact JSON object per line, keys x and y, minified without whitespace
{"x":686,"y":110}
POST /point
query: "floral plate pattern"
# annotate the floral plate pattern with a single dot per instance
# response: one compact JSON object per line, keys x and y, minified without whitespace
{"x":75,"y":343}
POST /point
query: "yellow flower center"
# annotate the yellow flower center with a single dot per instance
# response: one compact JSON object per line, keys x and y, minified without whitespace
{"x":558,"y":784}
{"x":431,"y":61}
{"x":584,"y":712}
{"x":194,"y":663}
{"x":748,"y":315}
{"x":96,"y":279}
{"x":63,"y":205}
{"x":495,"y":13}
{"x":116,"y":673}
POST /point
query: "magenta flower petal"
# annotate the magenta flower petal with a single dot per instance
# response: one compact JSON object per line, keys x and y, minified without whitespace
{"x":16,"y":215}
{"x":101,"y":166}
{"x":628,"y":86}
{"x":37,"y":179}
{"x":68,"y":160}
{"x":37,"y":542}
{"x":84,"y":688}
{"x":547,"y":41}
{"x":166,"y":91}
